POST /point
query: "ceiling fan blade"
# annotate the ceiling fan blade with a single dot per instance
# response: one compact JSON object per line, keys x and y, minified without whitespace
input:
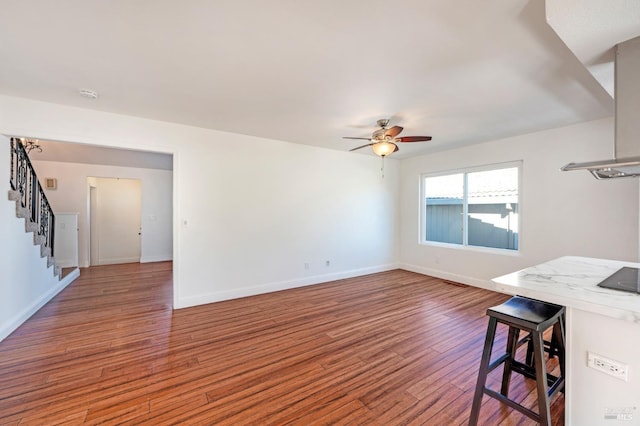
{"x":363,"y":146}
{"x":414,"y":139}
{"x":393,"y":132}
{"x":349,"y":137}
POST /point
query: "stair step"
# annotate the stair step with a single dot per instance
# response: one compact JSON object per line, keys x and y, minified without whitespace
{"x":37,"y":239}
{"x":14,"y":195}
{"x":22,"y":212}
{"x":29,"y":226}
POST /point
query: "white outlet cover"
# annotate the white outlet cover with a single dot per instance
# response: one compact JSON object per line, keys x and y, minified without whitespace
{"x":608,"y":366}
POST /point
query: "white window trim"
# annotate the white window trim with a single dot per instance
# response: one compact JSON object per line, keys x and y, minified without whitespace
{"x":422,"y":226}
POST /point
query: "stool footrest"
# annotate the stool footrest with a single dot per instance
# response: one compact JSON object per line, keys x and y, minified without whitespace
{"x":556,"y":387}
{"x":521,"y":368}
{"x":530,"y":372}
{"x":553,"y":382}
{"x":524,"y":410}
{"x":497,"y":362}
{"x":526,"y":370}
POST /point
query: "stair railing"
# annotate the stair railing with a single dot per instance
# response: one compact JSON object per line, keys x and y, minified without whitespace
{"x":23,"y":179}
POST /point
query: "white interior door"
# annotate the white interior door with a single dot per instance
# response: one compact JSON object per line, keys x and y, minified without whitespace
{"x":118,"y":216}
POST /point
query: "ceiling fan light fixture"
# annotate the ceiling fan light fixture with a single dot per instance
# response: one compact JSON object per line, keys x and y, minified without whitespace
{"x":384,"y":140}
{"x":383,"y":148}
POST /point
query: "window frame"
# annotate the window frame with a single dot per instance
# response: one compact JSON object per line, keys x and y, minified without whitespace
{"x":422,"y":226}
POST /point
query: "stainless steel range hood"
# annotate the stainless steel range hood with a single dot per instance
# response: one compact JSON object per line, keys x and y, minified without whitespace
{"x":626,"y":155}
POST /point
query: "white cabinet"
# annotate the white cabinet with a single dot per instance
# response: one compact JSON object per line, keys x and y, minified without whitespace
{"x":66,"y":240}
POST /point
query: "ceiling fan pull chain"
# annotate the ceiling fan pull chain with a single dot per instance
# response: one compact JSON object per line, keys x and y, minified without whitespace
{"x":382,"y":166}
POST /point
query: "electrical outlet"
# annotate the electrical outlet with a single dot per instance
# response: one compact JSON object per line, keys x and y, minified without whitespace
{"x":327,"y":263}
{"x":306,"y":265}
{"x":608,"y":366}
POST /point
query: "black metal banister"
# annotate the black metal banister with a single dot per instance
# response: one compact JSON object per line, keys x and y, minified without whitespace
{"x":24,"y":180}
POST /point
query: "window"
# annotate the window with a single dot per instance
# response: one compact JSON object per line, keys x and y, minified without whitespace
{"x":472,"y":208}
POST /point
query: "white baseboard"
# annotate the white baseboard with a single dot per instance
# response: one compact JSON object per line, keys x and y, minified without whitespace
{"x":17,"y":320}
{"x":118,"y":260}
{"x":277,"y":286}
{"x":150,"y":259}
{"x":487,"y":284}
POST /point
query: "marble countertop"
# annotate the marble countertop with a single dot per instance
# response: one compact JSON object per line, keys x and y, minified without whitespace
{"x":572,"y":281}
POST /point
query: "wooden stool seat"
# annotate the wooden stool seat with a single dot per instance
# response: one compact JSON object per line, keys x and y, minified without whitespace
{"x":534,"y":317}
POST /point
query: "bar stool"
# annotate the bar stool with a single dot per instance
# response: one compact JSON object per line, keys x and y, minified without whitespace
{"x":535,"y":317}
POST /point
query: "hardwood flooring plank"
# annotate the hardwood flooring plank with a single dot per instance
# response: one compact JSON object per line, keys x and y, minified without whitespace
{"x":383,"y":349}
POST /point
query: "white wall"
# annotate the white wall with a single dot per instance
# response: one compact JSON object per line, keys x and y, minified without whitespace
{"x":26,"y":283}
{"x":562,"y":213}
{"x":248,"y":212}
{"x":253,"y":215}
{"x":72,"y":195}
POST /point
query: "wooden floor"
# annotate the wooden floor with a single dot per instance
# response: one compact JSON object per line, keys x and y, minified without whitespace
{"x":384,"y":349}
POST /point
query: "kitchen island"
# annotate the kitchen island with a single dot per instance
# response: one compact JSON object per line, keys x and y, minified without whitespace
{"x":600,"y":321}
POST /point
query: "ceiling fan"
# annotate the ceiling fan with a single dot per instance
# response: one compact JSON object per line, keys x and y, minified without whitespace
{"x":384,"y":140}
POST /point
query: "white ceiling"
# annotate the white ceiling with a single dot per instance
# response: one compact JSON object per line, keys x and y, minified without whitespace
{"x":308,"y":72}
{"x":591,"y":28}
{"x":91,"y":154}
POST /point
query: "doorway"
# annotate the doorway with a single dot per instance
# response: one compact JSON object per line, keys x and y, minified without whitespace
{"x":115,"y":215}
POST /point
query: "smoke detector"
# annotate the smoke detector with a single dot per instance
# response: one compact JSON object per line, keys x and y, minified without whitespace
{"x":89,"y":94}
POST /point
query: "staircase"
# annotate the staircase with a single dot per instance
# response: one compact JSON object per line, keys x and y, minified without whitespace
{"x":32,"y":204}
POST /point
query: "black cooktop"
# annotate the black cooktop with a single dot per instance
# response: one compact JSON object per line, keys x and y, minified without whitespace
{"x":625,"y":279}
